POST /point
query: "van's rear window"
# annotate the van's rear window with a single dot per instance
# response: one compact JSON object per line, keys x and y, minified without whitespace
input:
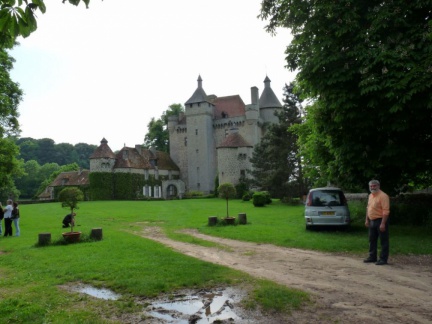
{"x":327,"y":198}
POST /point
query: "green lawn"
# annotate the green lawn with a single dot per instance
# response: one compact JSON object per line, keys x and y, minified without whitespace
{"x":133,"y":266}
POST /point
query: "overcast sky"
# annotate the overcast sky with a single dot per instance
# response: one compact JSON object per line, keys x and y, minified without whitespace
{"x":104,"y":72}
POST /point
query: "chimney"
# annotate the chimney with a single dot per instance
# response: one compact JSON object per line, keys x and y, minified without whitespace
{"x":254,"y":95}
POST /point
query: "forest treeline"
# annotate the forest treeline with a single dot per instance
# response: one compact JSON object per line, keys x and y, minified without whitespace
{"x":42,"y":160}
{"x":45,"y":150}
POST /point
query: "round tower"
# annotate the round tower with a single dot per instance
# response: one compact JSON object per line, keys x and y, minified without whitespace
{"x":103,"y":158}
{"x":269,"y":103}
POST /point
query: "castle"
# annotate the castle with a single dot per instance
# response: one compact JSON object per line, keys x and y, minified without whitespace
{"x":215,"y":136}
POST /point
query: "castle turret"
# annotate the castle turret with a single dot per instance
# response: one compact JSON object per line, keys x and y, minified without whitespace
{"x":103,"y":158}
{"x":269,"y":103}
{"x":201,"y":150}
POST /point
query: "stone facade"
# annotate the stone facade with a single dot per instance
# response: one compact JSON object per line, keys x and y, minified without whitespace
{"x":216,"y":135}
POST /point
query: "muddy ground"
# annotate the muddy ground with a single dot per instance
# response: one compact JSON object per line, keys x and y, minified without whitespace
{"x":344,"y":289}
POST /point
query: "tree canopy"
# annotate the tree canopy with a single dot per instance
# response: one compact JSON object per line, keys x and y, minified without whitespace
{"x":367,"y":67}
{"x":158,"y":135}
{"x":10,"y":97}
{"x":18,"y":18}
{"x":276,"y":165}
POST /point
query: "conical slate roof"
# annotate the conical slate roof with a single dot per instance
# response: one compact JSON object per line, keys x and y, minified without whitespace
{"x":268,"y":98}
{"x":234,"y":140}
{"x":103,"y":151}
{"x":199,"y":95}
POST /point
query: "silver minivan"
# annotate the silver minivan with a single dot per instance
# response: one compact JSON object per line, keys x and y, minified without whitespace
{"x":326,"y":207}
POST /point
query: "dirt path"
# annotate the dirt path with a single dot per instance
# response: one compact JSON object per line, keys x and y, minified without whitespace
{"x":345,"y":289}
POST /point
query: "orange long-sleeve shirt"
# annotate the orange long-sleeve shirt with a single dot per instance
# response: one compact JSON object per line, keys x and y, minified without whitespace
{"x":378,"y":205}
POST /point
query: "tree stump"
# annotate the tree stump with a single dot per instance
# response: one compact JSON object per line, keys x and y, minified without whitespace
{"x":44,"y":238}
{"x":212,"y":220}
{"x":242,"y":219}
{"x":96,"y":234}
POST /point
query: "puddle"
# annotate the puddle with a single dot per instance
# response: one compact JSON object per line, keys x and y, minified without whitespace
{"x":201,"y":307}
{"x":185,"y":307}
{"x":96,"y":292}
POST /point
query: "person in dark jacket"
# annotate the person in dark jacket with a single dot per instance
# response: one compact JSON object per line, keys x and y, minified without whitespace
{"x":69,"y":220}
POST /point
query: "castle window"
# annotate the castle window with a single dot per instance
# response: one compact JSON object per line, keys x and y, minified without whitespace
{"x":185,"y":141}
{"x":199,"y":104}
{"x":157,"y":192}
{"x":196,"y":131}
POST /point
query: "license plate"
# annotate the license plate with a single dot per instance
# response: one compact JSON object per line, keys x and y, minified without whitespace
{"x":327,"y":213}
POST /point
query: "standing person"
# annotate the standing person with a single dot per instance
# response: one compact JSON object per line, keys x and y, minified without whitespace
{"x":1,"y":218}
{"x":8,"y":218}
{"x":377,"y":214}
{"x":15,"y":217}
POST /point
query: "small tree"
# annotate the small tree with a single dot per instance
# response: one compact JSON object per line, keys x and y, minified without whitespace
{"x":227,"y":191}
{"x":69,"y":197}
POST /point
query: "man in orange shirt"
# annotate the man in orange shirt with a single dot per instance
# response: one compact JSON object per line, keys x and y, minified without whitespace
{"x":377,"y":214}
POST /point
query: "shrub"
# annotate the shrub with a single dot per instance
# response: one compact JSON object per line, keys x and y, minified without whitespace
{"x":193,"y":194}
{"x":259,"y":199}
{"x":247,"y":196}
{"x":268,"y":197}
{"x":292,"y":201}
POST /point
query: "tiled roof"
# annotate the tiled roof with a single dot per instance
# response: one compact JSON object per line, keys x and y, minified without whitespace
{"x":165,"y":162}
{"x":71,"y":178}
{"x":103,"y":151}
{"x":130,"y":157}
{"x":234,"y":140}
{"x":231,"y":106}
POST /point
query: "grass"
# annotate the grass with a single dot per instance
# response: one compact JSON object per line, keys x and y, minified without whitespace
{"x":133,"y":266}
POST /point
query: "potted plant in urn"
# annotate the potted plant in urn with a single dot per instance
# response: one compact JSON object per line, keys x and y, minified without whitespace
{"x":69,"y":197}
{"x":227,"y":191}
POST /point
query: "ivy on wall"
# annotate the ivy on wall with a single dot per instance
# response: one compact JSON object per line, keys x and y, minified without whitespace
{"x":101,"y":185}
{"x":108,"y":186}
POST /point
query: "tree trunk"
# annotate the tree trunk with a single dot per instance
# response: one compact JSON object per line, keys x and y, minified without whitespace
{"x":242,"y":219}
{"x":44,"y":238}
{"x":212,"y":220}
{"x":96,"y":234}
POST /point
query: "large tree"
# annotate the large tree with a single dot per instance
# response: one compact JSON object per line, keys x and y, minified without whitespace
{"x":276,"y":165}
{"x":158,"y":135}
{"x":10,"y":97}
{"x":367,"y":66}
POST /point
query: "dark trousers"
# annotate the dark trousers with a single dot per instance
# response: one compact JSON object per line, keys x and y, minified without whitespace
{"x":8,"y":226}
{"x":374,"y":234}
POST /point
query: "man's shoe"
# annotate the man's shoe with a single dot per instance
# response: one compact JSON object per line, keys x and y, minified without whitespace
{"x":369,"y":260}
{"x":381,"y":262}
